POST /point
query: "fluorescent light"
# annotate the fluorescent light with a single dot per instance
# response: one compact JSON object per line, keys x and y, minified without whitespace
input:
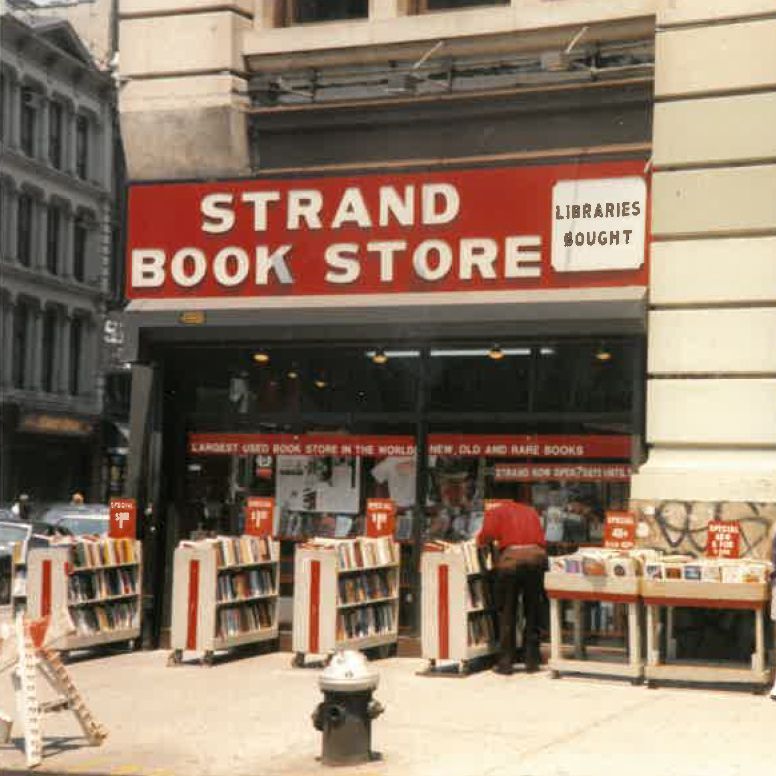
{"x":480,"y":352}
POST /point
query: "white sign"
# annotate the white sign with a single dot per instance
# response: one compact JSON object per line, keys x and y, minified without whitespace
{"x":598,"y":224}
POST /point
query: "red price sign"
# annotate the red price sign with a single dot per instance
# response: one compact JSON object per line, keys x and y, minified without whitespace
{"x":380,"y":517}
{"x":123,"y":518}
{"x":620,"y":531}
{"x":723,"y":539}
{"x":259,"y":514}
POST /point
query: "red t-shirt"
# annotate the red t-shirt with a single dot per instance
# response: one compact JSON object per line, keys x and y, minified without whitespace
{"x":512,"y":524}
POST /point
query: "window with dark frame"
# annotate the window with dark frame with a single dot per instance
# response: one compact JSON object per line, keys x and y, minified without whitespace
{"x":24,"y":229}
{"x":21,"y":342}
{"x":56,"y":123}
{"x":76,"y":348}
{"x":80,"y":234}
{"x":82,"y":147}
{"x":49,"y":350}
{"x":53,"y":234}
{"x":28,"y":115}
{"x":310,"y":11}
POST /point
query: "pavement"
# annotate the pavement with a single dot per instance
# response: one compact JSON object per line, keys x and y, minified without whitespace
{"x":250,"y":716}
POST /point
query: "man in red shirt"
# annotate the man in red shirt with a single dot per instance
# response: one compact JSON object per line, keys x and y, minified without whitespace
{"x":517,"y":532}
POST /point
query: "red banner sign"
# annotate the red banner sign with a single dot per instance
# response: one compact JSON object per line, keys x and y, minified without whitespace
{"x":484,"y":229}
{"x":380,"y":517}
{"x":259,"y":513}
{"x":123,"y":518}
{"x":492,"y":446}
{"x":620,"y":531}
{"x":536,"y":472}
{"x":723,"y":539}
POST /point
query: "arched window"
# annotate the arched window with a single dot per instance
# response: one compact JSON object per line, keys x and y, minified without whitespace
{"x":76,"y":355}
{"x":22,"y":340}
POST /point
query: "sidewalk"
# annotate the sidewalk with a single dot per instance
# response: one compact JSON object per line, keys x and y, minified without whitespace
{"x":251,"y":717}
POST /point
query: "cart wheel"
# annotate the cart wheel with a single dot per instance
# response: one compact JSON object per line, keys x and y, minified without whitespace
{"x":651,"y":684}
{"x":297,"y":661}
{"x":636,"y":681}
{"x":554,"y":674}
{"x":464,"y":669}
{"x":207,"y":660}
{"x":175,"y":658}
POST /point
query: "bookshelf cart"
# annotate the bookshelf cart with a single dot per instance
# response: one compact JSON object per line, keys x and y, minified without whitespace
{"x":224,"y":595}
{"x":670,"y":593}
{"x":577,"y":589}
{"x":458,"y":616}
{"x":346,"y":596}
{"x":100,"y":584}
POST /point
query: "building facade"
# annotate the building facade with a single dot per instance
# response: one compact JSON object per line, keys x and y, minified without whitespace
{"x":417,"y":187}
{"x":58,"y":239}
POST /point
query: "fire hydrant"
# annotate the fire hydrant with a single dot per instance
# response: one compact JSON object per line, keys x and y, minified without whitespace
{"x":345,"y":715}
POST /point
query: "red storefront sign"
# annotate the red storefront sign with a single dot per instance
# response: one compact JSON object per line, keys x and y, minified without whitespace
{"x":259,"y":512}
{"x":123,"y":518}
{"x":486,"y":229}
{"x":472,"y":445}
{"x":723,"y":539}
{"x":380,"y":517}
{"x":620,"y":531}
{"x":536,"y":472}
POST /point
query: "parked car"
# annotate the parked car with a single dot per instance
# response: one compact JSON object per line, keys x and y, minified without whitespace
{"x":28,"y":534}
{"x":78,"y":519}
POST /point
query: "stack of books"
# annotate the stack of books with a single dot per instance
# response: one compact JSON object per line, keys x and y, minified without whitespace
{"x":361,"y":553}
{"x":367,"y":621}
{"x":95,"y":552}
{"x":104,"y":618}
{"x":481,"y":629}
{"x":479,"y":593}
{"x":242,"y":550}
{"x":102,"y":583}
{"x":370,"y":585}
{"x":245,"y":584}
{"x":255,"y":616}
{"x":477,"y":560}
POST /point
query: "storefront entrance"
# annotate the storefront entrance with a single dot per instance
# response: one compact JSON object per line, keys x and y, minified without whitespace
{"x":323,"y":427}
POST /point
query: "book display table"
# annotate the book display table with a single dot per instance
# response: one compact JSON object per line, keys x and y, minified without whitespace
{"x":578,"y":589}
{"x":458,"y":616}
{"x":668,"y":594}
{"x":346,"y":596}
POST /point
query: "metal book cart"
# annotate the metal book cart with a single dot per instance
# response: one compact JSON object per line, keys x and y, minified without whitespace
{"x":450,"y":611}
{"x":578,"y":589}
{"x":671,"y":593}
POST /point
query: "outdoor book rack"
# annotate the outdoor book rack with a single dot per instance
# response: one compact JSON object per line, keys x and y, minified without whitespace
{"x":578,"y":589}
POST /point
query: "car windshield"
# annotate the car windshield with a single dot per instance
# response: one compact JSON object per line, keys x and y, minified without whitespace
{"x":79,"y":525}
{"x":10,"y":534}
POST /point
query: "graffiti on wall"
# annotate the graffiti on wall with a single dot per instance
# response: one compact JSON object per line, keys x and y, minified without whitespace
{"x":680,"y":526}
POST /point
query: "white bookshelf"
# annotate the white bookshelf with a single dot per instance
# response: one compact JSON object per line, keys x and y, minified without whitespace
{"x":346,"y":596}
{"x":450,"y":611}
{"x":221,"y":601}
{"x":102,"y":597}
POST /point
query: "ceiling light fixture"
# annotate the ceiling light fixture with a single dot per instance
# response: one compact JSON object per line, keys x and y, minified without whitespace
{"x":496,"y":353}
{"x":320,"y":382}
{"x":380,"y":356}
{"x":292,"y":374}
{"x":603,"y":354}
{"x":261,"y":357}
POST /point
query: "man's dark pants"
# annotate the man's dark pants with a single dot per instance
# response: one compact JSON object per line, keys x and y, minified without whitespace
{"x":510,"y":583}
